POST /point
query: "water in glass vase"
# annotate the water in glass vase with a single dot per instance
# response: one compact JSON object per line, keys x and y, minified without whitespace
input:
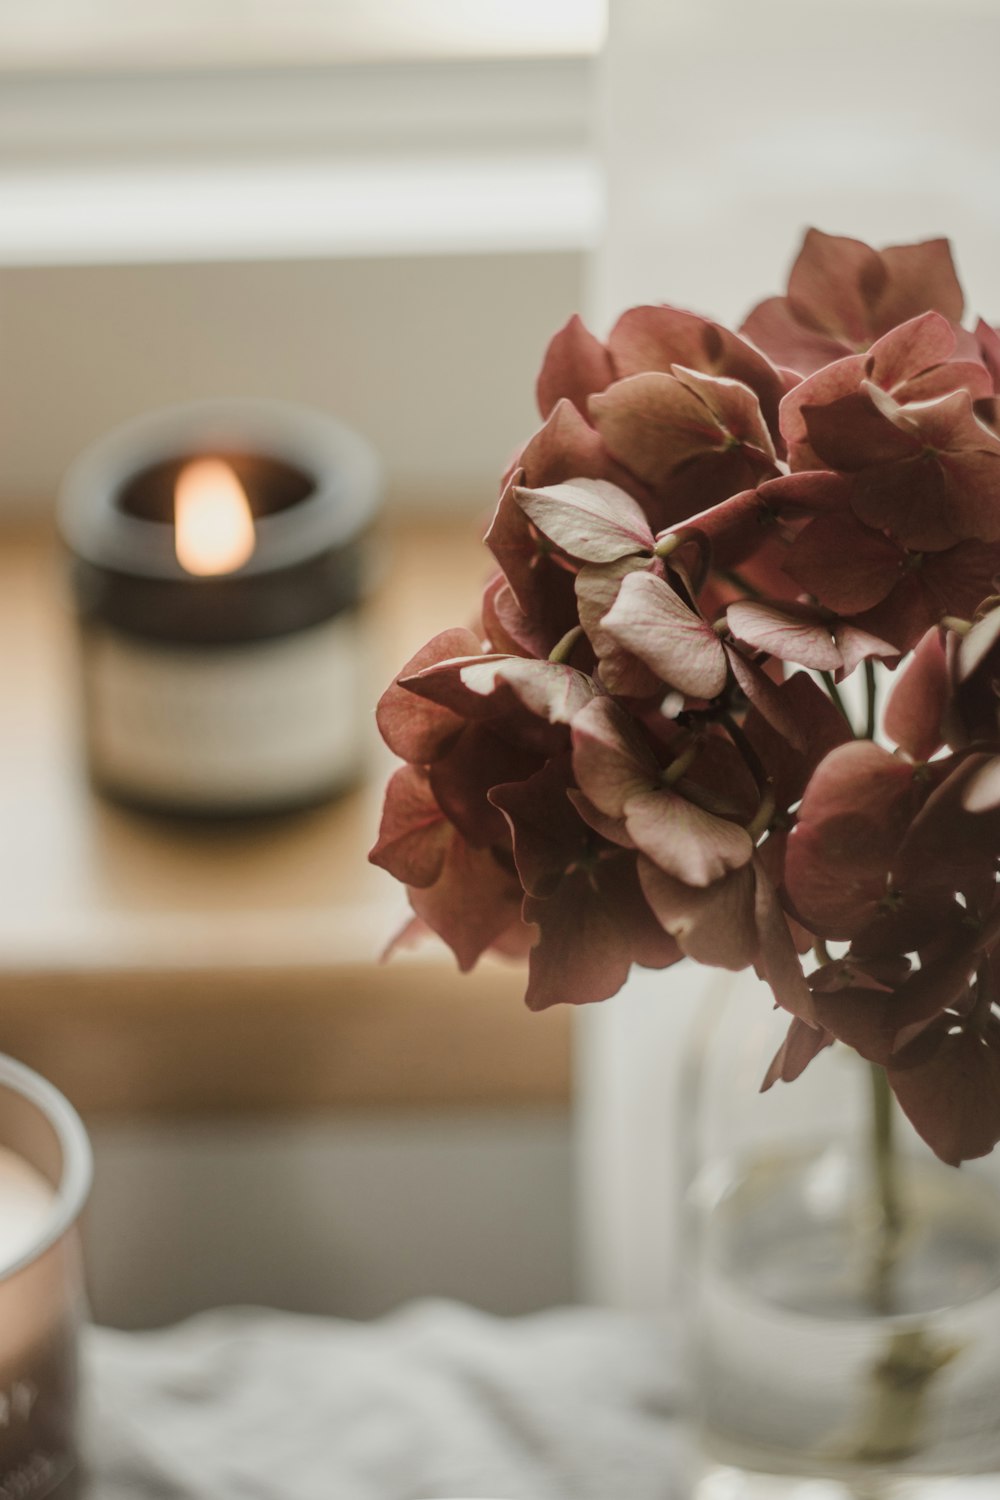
{"x":833,"y":1364}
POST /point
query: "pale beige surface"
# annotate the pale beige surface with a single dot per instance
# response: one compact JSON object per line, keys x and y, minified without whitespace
{"x":152,"y":965}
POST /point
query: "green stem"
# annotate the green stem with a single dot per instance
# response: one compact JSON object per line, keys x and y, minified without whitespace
{"x":681,"y":764}
{"x":731,"y":575}
{"x":766,"y":806}
{"x":871,"y":683}
{"x":885,"y":1166}
{"x":751,"y":759}
{"x":834,"y":692}
{"x":564,"y":647}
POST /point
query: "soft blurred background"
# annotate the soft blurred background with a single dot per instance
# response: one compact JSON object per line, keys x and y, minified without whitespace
{"x":381,"y":210}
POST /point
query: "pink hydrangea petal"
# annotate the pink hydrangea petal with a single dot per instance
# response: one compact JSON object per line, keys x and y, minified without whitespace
{"x":974,"y":648}
{"x":843,"y":295}
{"x":612,"y":829}
{"x":807,"y":492}
{"x":685,"y":435}
{"x":800,"y":637}
{"x":857,"y":644}
{"x":414,"y":729}
{"x":966,"y":375}
{"x":414,"y":836}
{"x":461,"y":781}
{"x":474,"y":901}
{"x":802,"y":1043}
{"x":851,"y":822}
{"x":589,"y":519}
{"x":946,"y":490}
{"x":548,"y":833}
{"x":988,"y":349}
{"x":611,"y":761}
{"x":861,"y":431}
{"x":712,"y":924}
{"x":915,"y":711}
{"x":844,"y":564}
{"x":565,"y":447}
{"x":483,"y":687}
{"x":654,"y":624}
{"x":541,"y":583}
{"x":597,"y":587}
{"x":841,"y":378}
{"x":834,"y":284}
{"x":777,"y":960}
{"x":591,"y":931}
{"x":766,"y":697}
{"x":683,"y":839}
{"x":822,"y":727}
{"x":735,"y":407}
{"x":904,"y":615}
{"x":575,"y":365}
{"x":657,"y":338}
{"x":905,"y":351}
{"x":919,"y":276}
{"x":947,"y":846}
{"x":947,"y":1082}
{"x":509,"y":630}
{"x":654,"y":422}
{"x":734,"y":529}
{"x":773,"y":327}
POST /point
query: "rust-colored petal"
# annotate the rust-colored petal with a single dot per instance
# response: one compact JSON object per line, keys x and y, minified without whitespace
{"x":415,"y":729}
{"x":414,"y":836}
{"x":575,"y":365}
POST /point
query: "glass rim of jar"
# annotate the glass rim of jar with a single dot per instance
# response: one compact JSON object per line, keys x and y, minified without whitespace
{"x":76,"y":1158}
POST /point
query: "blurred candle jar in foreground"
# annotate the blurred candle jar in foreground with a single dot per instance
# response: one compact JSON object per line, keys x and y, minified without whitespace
{"x":44,"y":1181}
{"x":219,"y":568}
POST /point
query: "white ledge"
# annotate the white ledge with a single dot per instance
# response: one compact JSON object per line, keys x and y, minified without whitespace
{"x":430,"y":206}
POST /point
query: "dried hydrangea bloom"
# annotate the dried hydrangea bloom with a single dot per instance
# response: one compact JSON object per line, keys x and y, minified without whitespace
{"x":640,"y":752}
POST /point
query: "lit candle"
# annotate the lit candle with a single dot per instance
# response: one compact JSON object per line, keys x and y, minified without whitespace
{"x":26,"y":1203}
{"x":213,"y":523}
{"x":44,"y":1179}
{"x":219,"y":556}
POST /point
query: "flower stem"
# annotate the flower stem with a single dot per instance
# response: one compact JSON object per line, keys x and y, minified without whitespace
{"x":893,"y":1416}
{"x":679,"y":766}
{"x":885,"y":1172}
{"x":871,"y":683}
{"x":564,"y":647}
{"x":750,"y":757}
{"x":834,"y":693}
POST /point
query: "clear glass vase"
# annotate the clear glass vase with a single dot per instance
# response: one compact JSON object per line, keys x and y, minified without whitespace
{"x":833,"y":1351}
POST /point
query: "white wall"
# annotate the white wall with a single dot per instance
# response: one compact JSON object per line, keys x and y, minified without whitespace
{"x":730,"y":125}
{"x":431,"y":357}
{"x":346,"y":1216}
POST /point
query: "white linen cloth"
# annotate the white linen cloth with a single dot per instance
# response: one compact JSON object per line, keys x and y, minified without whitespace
{"x":434,"y":1401}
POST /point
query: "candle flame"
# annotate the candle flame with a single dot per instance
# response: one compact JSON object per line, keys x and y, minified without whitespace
{"x":213,"y":523}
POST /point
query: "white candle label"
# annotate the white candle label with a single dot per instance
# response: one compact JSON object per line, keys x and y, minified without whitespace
{"x":227,"y":726}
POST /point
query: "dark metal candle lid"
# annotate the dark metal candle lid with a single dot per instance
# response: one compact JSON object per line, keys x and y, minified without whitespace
{"x":318,"y":489}
{"x":342,"y":470}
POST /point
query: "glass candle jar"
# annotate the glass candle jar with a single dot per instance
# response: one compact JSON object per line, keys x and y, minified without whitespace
{"x":45,"y":1170}
{"x":220,"y":562}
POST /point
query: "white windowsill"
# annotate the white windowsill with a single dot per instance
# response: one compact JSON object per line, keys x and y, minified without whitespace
{"x":545,"y":201}
{"x":364,"y":161}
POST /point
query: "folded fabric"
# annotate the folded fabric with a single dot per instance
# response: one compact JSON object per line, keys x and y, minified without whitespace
{"x":434,"y":1401}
